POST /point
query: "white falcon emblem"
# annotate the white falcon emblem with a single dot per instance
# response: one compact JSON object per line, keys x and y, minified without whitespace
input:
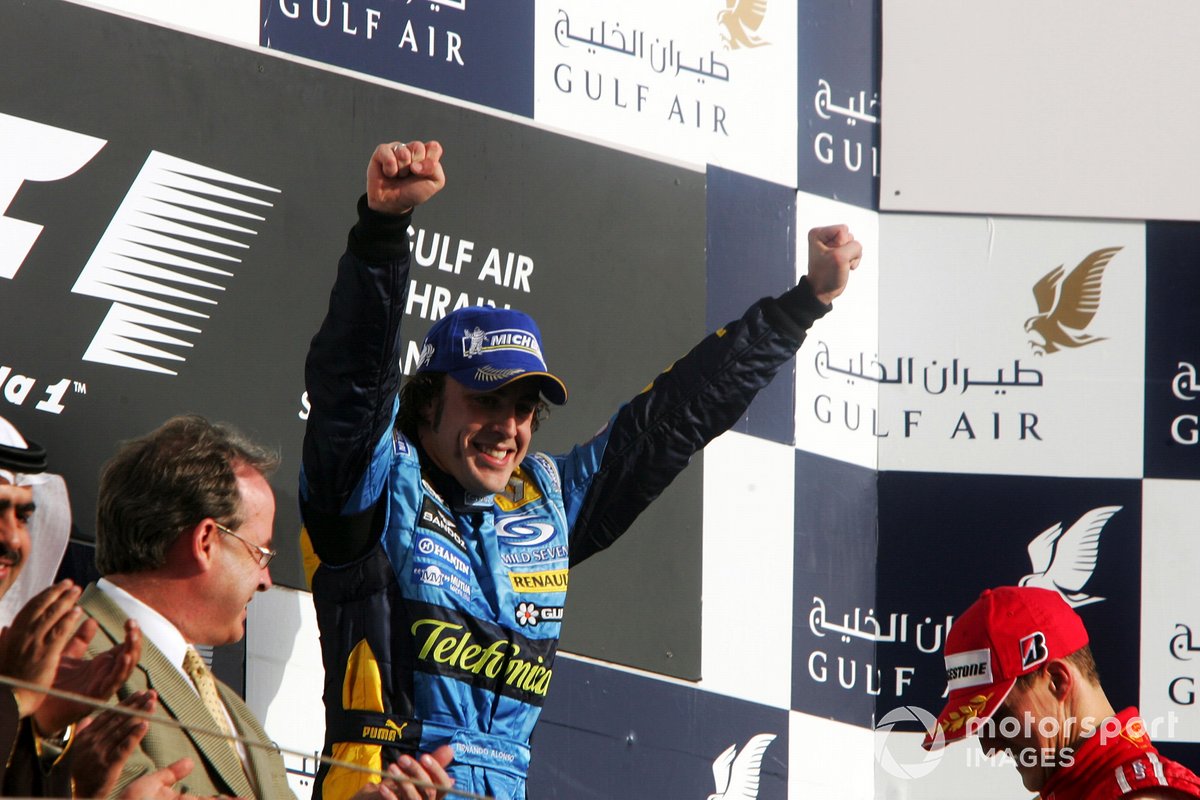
{"x":737,"y":778}
{"x":1065,"y":562}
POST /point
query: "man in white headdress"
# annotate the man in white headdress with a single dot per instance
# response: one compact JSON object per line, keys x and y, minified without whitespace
{"x":43,"y":640}
{"x":25,"y":573}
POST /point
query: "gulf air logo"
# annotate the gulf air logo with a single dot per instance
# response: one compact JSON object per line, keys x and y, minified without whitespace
{"x":741,"y":20}
{"x":736,"y":775}
{"x":174,"y":243}
{"x":1063,"y":561}
{"x":1066,"y":306}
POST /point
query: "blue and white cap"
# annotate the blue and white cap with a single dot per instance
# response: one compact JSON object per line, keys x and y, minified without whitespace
{"x":485,"y":348}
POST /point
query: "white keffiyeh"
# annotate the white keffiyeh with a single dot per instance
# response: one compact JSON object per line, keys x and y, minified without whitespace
{"x":49,"y":528}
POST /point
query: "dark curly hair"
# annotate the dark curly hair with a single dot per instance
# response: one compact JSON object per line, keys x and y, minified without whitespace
{"x":427,"y":390}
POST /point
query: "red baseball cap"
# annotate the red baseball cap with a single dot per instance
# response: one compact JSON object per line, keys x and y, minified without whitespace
{"x":1008,"y":632}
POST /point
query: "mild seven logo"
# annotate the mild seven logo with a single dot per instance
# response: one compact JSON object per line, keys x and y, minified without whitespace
{"x":524,"y":531}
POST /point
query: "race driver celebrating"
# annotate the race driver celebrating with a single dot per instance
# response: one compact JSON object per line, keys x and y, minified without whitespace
{"x":419,"y":503}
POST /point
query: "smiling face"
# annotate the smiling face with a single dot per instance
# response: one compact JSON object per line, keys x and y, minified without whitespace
{"x":479,"y":438}
{"x":16,"y":508}
{"x":238,"y":576}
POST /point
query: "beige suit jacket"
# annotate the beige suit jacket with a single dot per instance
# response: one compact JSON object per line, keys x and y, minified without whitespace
{"x":217,"y":769}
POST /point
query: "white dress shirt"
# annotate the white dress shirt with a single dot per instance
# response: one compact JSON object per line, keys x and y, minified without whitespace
{"x":165,"y":636}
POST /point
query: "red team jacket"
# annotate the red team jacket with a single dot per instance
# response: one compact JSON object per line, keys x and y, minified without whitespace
{"x":1109,"y":767}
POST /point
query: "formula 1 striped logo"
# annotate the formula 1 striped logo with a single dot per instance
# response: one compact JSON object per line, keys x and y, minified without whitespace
{"x":170,"y":249}
{"x":173,"y":244}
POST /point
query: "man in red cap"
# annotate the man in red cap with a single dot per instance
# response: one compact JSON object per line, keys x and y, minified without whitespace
{"x":1021,"y":676}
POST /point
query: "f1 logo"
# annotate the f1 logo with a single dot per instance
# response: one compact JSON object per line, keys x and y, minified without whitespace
{"x":174,"y":239}
{"x":41,"y":153}
{"x":1033,"y":650}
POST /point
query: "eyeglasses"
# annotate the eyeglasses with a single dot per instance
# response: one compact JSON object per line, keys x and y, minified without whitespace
{"x":261,"y":555}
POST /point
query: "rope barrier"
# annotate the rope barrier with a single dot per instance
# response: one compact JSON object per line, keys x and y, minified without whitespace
{"x":217,"y":733}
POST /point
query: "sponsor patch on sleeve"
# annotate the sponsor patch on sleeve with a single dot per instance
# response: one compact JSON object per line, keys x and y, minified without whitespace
{"x":434,"y":518}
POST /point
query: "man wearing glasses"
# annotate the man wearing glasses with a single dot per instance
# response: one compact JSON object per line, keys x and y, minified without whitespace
{"x":183,"y":540}
{"x":184,"y":527}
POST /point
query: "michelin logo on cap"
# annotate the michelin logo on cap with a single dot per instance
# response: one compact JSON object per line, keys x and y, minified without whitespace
{"x":477,"y":342}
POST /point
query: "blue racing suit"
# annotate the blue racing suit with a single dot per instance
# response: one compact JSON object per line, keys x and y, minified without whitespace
{"x":440,"y":612}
